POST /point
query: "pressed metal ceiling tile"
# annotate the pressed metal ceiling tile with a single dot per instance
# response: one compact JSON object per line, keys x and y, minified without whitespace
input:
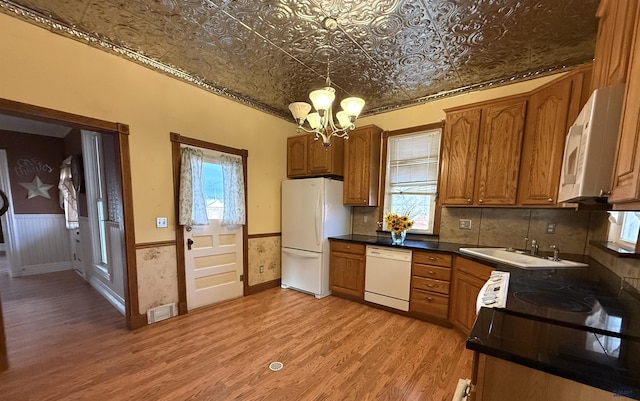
{"x":393,"y":53}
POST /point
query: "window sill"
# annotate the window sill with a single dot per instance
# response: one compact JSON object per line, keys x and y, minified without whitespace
{"x":616,"y":249}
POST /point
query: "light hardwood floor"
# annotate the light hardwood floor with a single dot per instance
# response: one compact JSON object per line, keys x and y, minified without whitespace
{"x":67,"y":343}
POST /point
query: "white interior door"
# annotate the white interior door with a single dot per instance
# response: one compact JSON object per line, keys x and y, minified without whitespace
{"x":213,"y":253}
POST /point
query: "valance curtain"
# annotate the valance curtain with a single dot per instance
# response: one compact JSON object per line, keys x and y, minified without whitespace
{"x":233,"y":188}
{"x":192,"y":207}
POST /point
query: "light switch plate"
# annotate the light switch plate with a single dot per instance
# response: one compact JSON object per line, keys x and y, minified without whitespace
{"x":465,"y":224}
{"x":161,"y":222}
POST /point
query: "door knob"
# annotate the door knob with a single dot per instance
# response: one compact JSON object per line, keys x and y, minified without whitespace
{"x":189,"y":243}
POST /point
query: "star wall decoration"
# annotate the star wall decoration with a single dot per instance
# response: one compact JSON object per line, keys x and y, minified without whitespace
{"x":37,"y":188}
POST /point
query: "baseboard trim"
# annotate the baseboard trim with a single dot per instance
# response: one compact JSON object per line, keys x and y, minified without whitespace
{"x":45,"y":268}
{"x":137,"y":321}
{"x":110,"y":295}
{"x":254,"y":289}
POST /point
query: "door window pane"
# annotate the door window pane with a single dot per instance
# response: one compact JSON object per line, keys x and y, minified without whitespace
{"x":212,"y":182}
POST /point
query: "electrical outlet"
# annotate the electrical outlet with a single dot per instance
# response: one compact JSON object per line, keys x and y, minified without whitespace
{"x":365,"y":218}
{"x":161,"y":222}
{"x":465,"y":224}
{"x":551,"y":228}
{"x":261,"y":269}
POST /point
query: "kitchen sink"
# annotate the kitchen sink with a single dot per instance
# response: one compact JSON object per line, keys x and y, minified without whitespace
{"x":520,"y":259}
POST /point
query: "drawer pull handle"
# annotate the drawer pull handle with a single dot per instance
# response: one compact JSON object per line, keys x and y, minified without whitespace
{"x":431,"y":272}
{"x":429,"y":299}
{"x":430,"y":285}
{"x":432,"y":258}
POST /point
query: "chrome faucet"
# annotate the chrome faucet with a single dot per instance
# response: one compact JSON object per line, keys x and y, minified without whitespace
{"x":556,"y":252}
{"x":534,"y":247}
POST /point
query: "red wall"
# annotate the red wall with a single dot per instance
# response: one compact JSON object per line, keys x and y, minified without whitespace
{"x":28,"y":156}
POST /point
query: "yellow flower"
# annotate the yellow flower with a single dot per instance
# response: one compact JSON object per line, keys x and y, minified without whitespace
{"x":397,"y":223}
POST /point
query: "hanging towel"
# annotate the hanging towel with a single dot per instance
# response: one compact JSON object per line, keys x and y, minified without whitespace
{"x":68,"y":195}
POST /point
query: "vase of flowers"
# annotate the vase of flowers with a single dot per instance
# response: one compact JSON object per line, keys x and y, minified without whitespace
{"x":398,"y":225}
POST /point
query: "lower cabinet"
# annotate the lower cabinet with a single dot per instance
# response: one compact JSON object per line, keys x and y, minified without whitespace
{"x":468,"y":279}
{"x":430,"y":281}
{"x":502,"y":380}
{"x":347,"y":267}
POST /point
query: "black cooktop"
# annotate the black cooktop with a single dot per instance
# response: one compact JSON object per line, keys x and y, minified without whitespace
{"x":573,"y":300}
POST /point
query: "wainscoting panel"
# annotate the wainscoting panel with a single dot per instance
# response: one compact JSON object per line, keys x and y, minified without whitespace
{"x":42,"y":243}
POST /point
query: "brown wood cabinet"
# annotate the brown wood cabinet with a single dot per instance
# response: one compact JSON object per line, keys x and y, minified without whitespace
{"x":481,"y":153}
{"x":626,"y":177}
{"x":613,"y":44}
{"x":362,"y":166}
{"x":468,"y":279}
{"x":430,"y":281}
{"x":459,"y":154}
{"x":307,"y":157}
{"x":550,"y":112}
{"x":347,"y":268}
{"x":503,"y":380}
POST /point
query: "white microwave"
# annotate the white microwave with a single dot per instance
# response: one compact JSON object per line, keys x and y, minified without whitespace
{"x":590,"y":147}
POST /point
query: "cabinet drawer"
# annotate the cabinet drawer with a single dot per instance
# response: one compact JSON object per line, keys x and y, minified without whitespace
{"x":437,"y":273}
{"x":428,"y":303}
{"x":347,"y":247}
{"x":432,"y":258}
{"x":427,"y":284}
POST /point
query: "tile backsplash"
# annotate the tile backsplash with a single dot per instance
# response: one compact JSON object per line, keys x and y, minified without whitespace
{"x":508,"y":227}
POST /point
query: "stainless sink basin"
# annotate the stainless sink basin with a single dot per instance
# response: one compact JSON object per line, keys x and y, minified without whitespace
{"x":520,"y":259}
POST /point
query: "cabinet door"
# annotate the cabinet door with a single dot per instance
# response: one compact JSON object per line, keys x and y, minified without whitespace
{"x":500,"y":148}
{"x":613,"y":44}
{"x":362,"y":167}
{"x":325,"y":160}
{"x":463,"y":305}
{"x":546,"y":127}
{"x":346,"y":274}
{"x":297,"y":156}
{"x":459,"y":151}
{"x":626,"y":178}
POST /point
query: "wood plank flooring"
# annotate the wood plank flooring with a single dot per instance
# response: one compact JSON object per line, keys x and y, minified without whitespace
{"x":66,"y":343}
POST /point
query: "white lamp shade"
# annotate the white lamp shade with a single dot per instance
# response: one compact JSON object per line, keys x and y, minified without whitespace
{"x":299,"y":110}
{"x":322,"y":98}
{"x":352,"y":105}
{"x":343,"y":119}
{"x":314,"y":120}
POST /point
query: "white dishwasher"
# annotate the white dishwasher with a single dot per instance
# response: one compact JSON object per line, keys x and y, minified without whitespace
{"x":388,"y":277}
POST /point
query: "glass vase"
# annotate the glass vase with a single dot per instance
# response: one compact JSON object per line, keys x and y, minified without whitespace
{"x":397,"y":237}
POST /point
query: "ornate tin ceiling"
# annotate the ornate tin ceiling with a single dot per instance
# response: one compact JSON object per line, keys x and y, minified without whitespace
{"x":392,"y":53}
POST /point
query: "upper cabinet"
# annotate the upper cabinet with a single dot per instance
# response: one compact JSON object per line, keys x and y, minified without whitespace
{"x":307,"y":157}
{"x":458,"y":159}
{"x":499,"y":152}
{"x":481,"y":153}
{"x":626,"y":178}
{"x":362,"y":166}
{"x":551,"y":111}
{"x":508,"y":151}
{"x":615,"y":34}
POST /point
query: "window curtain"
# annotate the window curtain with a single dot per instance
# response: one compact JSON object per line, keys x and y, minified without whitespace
{"x":192,"y":207}
{"x":233,"y":184}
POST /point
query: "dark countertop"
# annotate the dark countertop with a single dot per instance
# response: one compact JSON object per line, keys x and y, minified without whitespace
{"x":598,"y":346}
{"x":408,"y":243}
{"x":434,"y":245}
{"x":592,"y":336}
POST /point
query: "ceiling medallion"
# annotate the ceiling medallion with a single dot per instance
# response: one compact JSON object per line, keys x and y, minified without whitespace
{"x":321,"y":121}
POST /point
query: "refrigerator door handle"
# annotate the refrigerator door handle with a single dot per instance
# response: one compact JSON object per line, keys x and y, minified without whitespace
{"x":318,"y":218}
{"x":304,"y":254}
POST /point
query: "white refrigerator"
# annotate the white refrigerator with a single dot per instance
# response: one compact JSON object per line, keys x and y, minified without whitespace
{"x":312,"y":211}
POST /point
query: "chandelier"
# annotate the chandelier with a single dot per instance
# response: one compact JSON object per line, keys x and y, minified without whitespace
{"x":321,"y":121}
